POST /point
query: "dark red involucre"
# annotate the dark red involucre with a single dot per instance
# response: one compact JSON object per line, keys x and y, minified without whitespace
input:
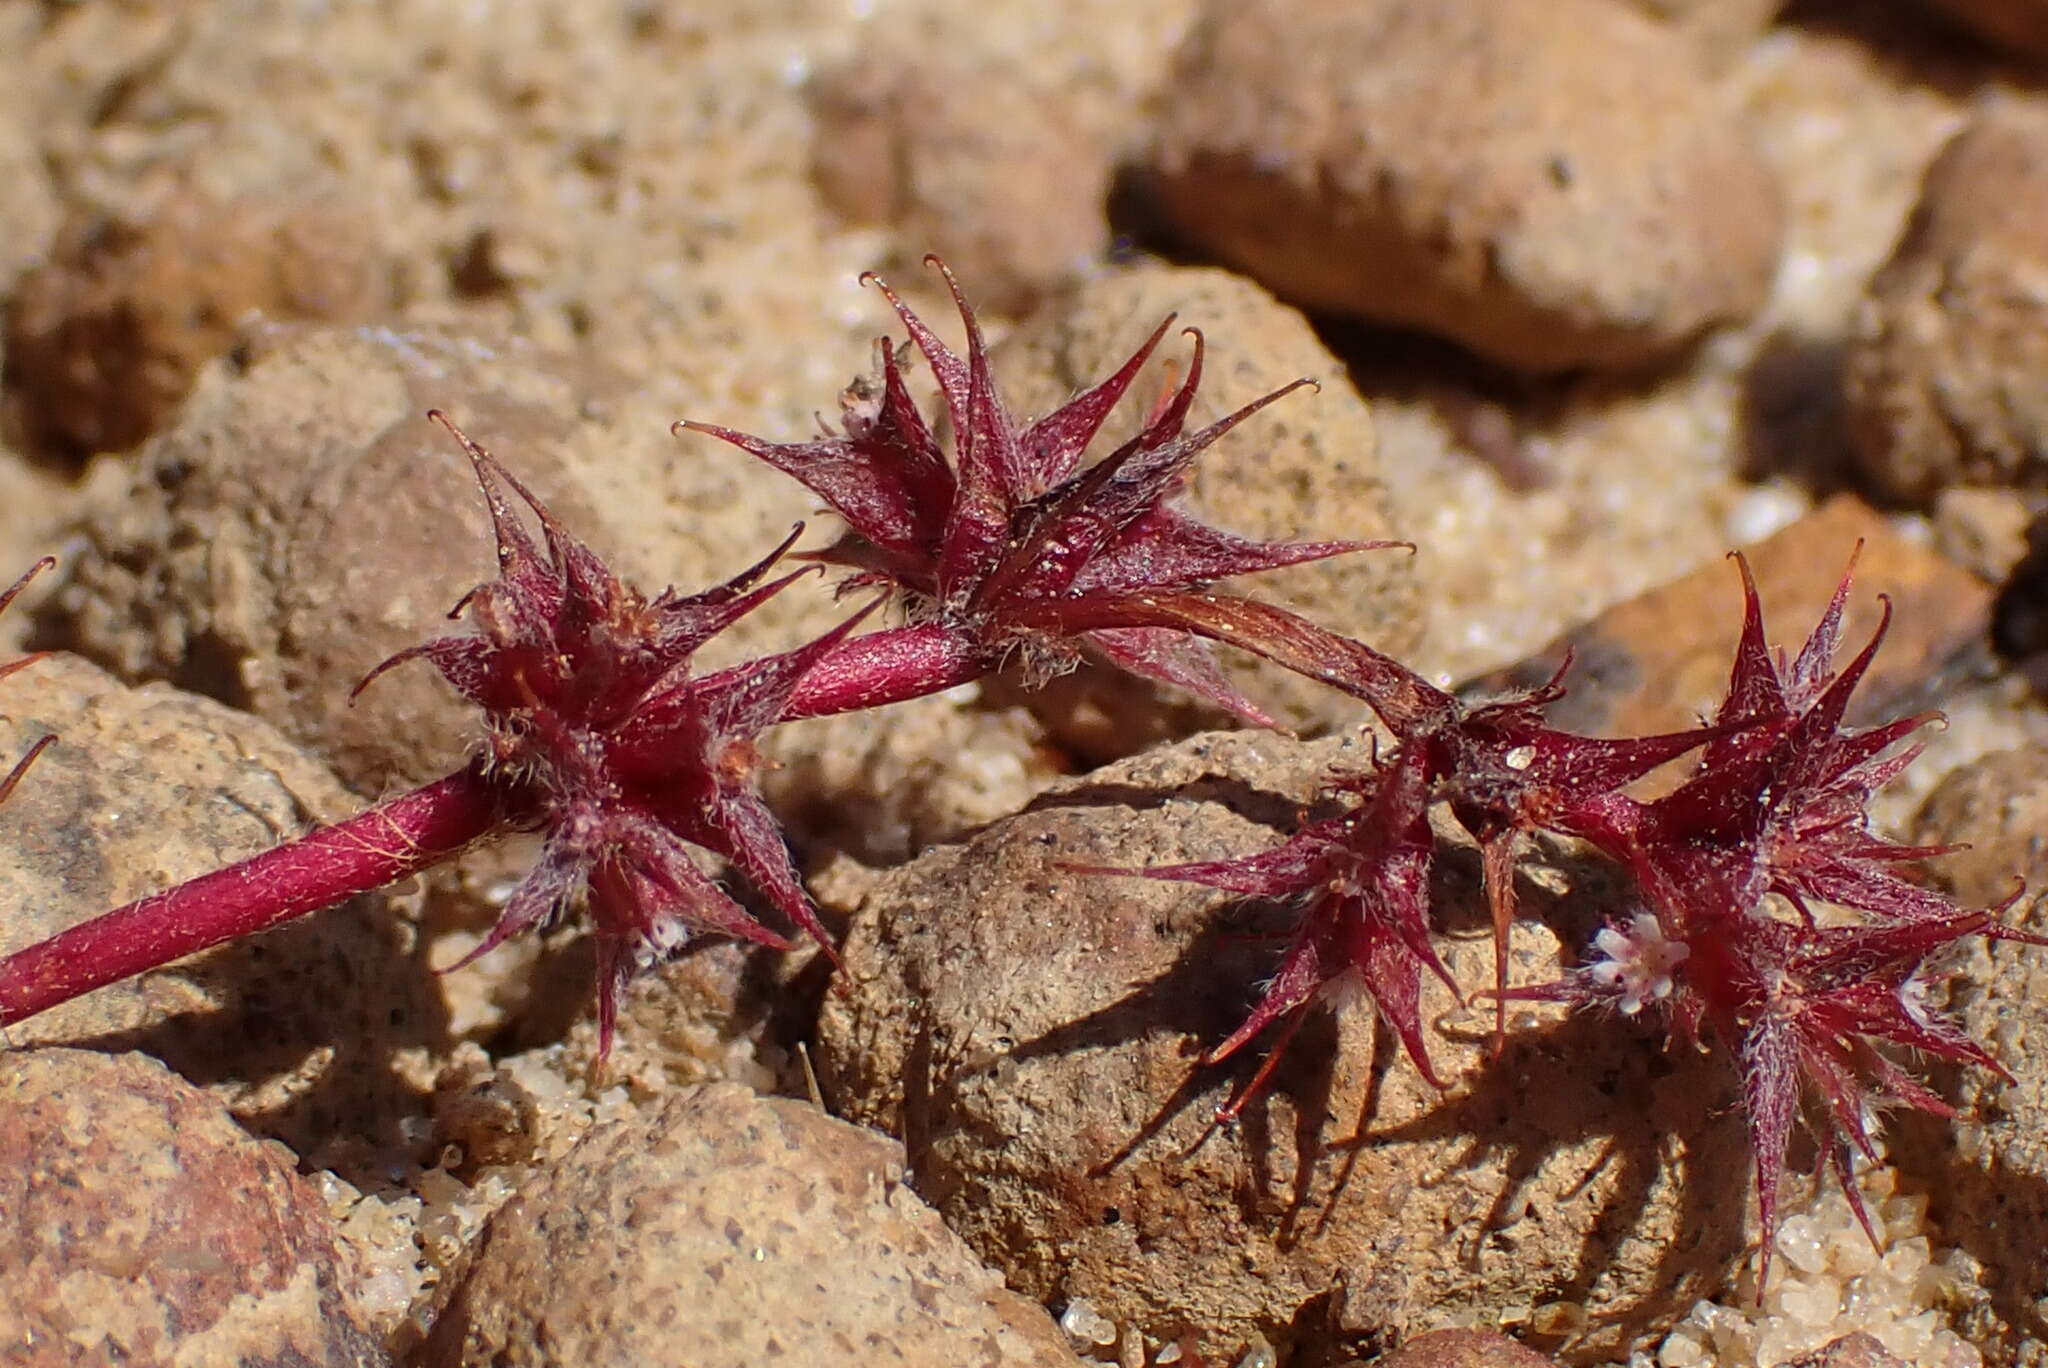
{"x":1360,"y":888}
{"x":604,"y":742}
{"x":1809,"y":1001}
{"x":595,"y":734}
{"x":1360,"y":883}
{"x":1013,"y":545}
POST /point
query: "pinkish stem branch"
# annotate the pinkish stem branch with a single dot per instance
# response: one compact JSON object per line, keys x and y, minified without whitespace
{"x":390,"y":841}
{"x":1404,"y":700}
{"x":872,"y":671}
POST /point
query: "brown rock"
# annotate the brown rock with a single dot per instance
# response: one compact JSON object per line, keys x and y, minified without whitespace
{"x":1035,"y":1036}
{"x":103,"y":342}
{"x":1987,"y":1173}
{"x":1947,"y":372}
{"x":149,"y":1229}
{"x":1464,"y":1349}
{"x":2021,"y":25}
{"x":1550,"y":184}
{"x":730,"y":1229}
{"x":884,"y":784}
{"x":303,"y":1032}
{"x":303,"y":521}
{"x":965,"y":152}
{"x":1308,"y":468}
{"x":1660,"y":661}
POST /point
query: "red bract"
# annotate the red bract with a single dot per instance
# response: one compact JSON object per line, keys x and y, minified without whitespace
{"x":1013,"y":546}
{"x":1780,"y":805}
{"x":1802,"y":1007}
{"x":1364,"y":924}
{"x":28,"y":758}
{"x":595,"y":734}
{"x":1360,"y":882}
{"x":621,"y":758}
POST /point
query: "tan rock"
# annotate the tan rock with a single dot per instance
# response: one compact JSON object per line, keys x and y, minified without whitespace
{"x":308,"y":1033}
{"x":303,"y":521}
{"x":1984,"y":530}
{"x":2000,"y":806}
{"x":964,"y":151}
{"x":1307,"y":468}
{"x":1035,"y":1036}
{"x":149,"y":1229}
{"x":1947,"y":373}
{"x":570,"y":170}
{"x":1550,"y":184}
{"x":730,"y":1229}
{"x":1987,"y":1174}
{"x":104,"y":341}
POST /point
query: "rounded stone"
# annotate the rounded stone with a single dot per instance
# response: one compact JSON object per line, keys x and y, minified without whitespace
{"x":105,"y":339}
{"x":1947,"y":368}
{"x":149,"y":1230}
{"x":1986,"y":1173}
{"x":726,"y":1230}
{"x":964,"y":151}
{"x":1035,"y":1035}
{"x":303,"y":521}
{"x":1551,"y":183}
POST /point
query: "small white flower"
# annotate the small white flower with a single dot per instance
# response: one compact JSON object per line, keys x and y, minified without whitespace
{"x":1640,"y":960}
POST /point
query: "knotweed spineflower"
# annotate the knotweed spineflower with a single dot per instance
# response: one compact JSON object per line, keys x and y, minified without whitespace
{"x":1810,"y":1001}
{"x":1360,"y":888}
{"x":594,"y":734}
{"x":1013,"y":547}
{"x":1360,"y":883}
{"x":1777,"y":807}
{"x":7,"y":785}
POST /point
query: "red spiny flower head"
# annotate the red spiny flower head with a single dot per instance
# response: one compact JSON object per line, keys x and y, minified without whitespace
{"x":1780,"y":801}
{"x":1809,"y":1005}
{"x":1359,"y":885}
{"x":603,"y":740}
{"x":1807,"y":1010}
{"x":1013,"y":542}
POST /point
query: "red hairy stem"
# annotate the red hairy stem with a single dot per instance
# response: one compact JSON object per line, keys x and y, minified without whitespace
{"x":890,"y":666}
{"x":388,"y":842}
